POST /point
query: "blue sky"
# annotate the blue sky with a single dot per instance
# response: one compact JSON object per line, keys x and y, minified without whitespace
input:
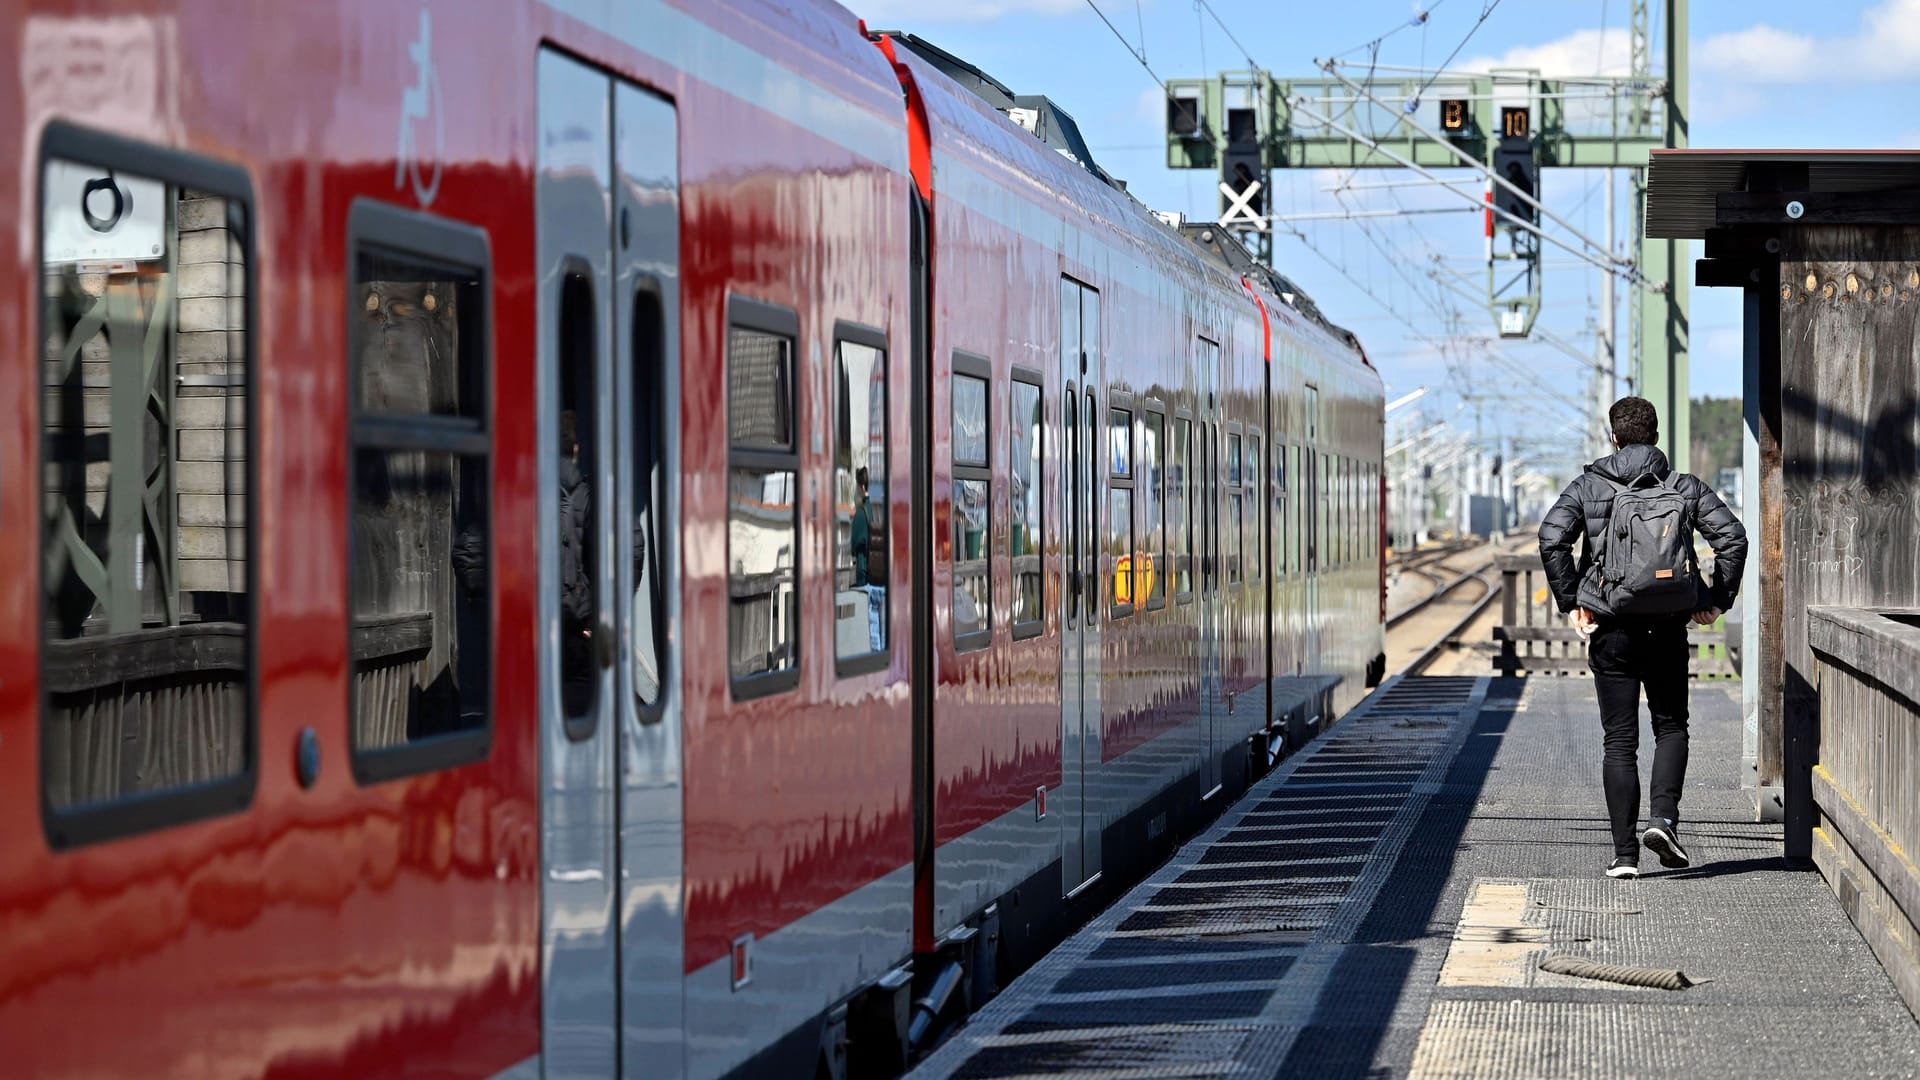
{"x":1765,"y":73}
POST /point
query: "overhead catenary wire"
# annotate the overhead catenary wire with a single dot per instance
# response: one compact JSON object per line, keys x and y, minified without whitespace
{"x":1364,"y":217}
{"x":1486,"y":9}
{"x":1340,"y":268}
{"x":1613,"y":266}
{"x":1357,"y":214}
{"x":1397,"y":264}
{"x":1469,"y":161}
{"x":1652,"y":87}
{"x":1444,"y":346}
{"x":1138,"y":54}
{"x":1244,"y":52}
{"x":1419,"y":19}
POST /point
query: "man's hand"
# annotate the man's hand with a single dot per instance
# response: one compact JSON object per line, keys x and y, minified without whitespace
{"x":1584,"y":621}
{"x":1705,"y":618}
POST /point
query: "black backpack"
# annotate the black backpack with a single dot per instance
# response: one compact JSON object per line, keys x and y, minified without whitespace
{"x":1648,"y":566}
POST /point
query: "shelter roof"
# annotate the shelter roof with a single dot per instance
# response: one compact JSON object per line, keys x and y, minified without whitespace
{"x":1683,"y":185}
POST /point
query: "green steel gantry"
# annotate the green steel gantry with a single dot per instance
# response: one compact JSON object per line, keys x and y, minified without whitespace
{"x":1244,"y":124}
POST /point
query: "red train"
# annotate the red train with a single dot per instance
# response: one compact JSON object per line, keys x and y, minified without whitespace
{"x":655,"y":537}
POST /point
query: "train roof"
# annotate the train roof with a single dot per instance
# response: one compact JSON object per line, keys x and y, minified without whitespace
{"x":1054,"y":127}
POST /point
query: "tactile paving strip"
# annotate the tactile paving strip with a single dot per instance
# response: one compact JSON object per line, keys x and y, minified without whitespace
{"x":1243,"y":914}
{"x":1486,"y":1040}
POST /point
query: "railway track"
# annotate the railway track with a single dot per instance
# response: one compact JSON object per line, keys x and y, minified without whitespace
{"x":1464,"y":585}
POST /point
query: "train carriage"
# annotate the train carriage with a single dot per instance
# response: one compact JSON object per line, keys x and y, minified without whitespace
{"x":654,"y":537}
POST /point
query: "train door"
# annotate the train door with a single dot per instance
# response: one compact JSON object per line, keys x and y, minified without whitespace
{"x":1212,"y":567}
{"x":1083,"y":466}
{"x":611,"y":825}
{"x":1315,"y":513}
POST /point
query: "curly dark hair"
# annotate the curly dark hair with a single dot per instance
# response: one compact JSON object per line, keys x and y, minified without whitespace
{"x":1634,"y":420}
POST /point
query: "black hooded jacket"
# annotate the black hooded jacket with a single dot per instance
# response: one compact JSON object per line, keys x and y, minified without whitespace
{"x":1583,"y":509}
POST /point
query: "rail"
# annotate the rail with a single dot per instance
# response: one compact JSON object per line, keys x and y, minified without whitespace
{"x":1535,"y":639}
{"x":1425,"y":658}
{"x":1866,"y":783}
{"x":1434,"y":565}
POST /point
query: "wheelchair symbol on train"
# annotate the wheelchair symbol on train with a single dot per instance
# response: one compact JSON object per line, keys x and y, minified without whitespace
{"x":419,"y":103}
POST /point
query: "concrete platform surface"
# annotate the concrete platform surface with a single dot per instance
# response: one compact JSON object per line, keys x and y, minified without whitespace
{"x":1378,"y":906}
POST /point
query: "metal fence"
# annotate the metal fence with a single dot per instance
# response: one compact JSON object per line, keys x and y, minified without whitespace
{"x":1536,"y":639}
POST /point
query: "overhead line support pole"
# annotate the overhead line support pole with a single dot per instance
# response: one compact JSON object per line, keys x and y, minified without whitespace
{"x":1664,"y":345}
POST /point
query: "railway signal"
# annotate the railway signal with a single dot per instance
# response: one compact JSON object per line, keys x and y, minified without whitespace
{"x":1515,"y":162}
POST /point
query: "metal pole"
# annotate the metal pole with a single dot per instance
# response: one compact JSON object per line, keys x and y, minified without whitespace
{"x":1351,"y":215}
{"x":1603,"y":383}
{"x":1663,"y":316}
{"x":1407,"y":399}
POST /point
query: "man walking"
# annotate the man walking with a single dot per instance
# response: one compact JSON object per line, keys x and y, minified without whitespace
{"x":1630,"y":594}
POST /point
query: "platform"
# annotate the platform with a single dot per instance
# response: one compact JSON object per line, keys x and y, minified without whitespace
{"x":1317,"y":928}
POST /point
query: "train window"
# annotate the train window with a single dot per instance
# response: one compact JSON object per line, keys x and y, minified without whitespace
{"x":1206,"y":497}
{"x":1236,"y":512}
{"x":1379,"y":498}
{"x":650,"y":496}
{"x":1359,"y":515}
{"x":1350,"y":492}
{"x":1180,"y":508}
{"x":1367,"y":500}
{"x":419,"y":573}
{"x":1299,"y":509}
{"x":1344,"y":506}
{"x":1153,"y":507}
{"x":1090,"y":416}
{"x":577,"y":596}
{"x":972,"y":506}
{"x":1026,"y":433}
{"x":1323,"y":550}
{"x":1120,"y":443}
{"x":861,"y":519}
{"x":146,"y":585}
{"x":1257,"y":502}
{"x":1282,"y":534}
{"x":1127,"y":564}
{"x":763,"y":504}
{"x":1070,"y":496}
{"x":1332,"y":534}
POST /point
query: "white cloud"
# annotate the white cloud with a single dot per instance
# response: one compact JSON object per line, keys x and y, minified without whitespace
{"x":1886,"y":47}
{"x":1583,"y":52}
{"x":909,"y":13}
{"x":1760,"y":54}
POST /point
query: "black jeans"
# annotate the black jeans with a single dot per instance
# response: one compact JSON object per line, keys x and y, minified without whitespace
{"x":1625,"y":656}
